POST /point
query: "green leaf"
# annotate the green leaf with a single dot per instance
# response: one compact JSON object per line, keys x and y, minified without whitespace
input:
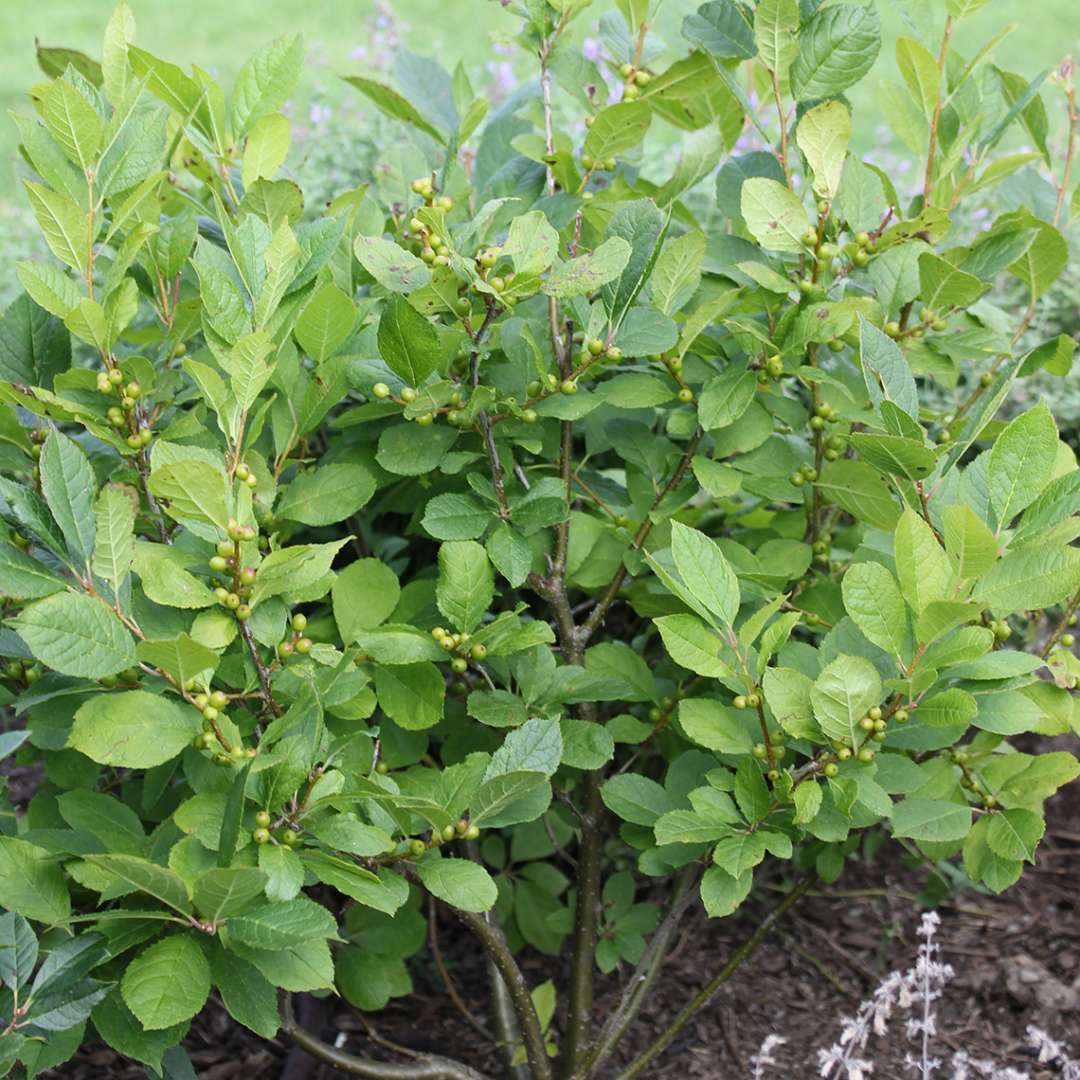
{"x":461,"y":883}
{"x":723,"y":28}
{"x":924,"y":569}
{"x":887,"y":374}
{"x":391,"y":266}
{"x":411,"y":694}
{"x":407,"y":342}
{"x":705,"y":571}
{"x":842,"y":695}
{"x":50,"y":288}
{"x":266,"y":81}
{"x":133,"y":729}
{"x":266,"y":149}
{"x":114,"y":522}
{"x":691,"y":644}
{"x":858,"y":489}
{"x":280,"y":925}
{"x":147,"y":877}
{"x":364,"y":595}
{"x":194,"y":490}
{"x":226,"y":891}
{"x":248,"y":995}
{"x":837,"y":47}
{"x":823,"y":135}
{"x":115,"y":72}
{"x":167,"y":982}
{"x":77,"y":635}
{"x":32,"y":883}
{"x":636,"y":798}
{"x":165,"y":581}
{"x":456,"y":516}
{"x":510,"y":799}
{"x":721,"y":894}
{"x":22,"y":577}
{"x":294,"y":569}
{"x":774,"y":214}
{"x":1015,"y":834}
{"x":776,"y":33}
{"x":18,"y":950}
{"x":181,"y":656}
{"x":617,"y":128}
{"x":726,"y":397}
{"x":714,"y":726}
{"x":1030,"y":578}
{"x":325,"y":323}
{"x":1022,"y":462}
{"x":392,"y":104}
{"x":895,"y":455}
{"x":587,"y":273}
{"x":531,"y":243}
{"x":677,"y":272}
{"x":69,"y":486}
{"x":466,"y":583}
{"x":73,"y":122}
{"x":326,"y":495}
{"x":872,"y":599}
{"x":931,"y":819}
{"x":63,"y":225}
{"x":942,"y":285}
{"x":920,"y":71}
{"x":283,"y":869}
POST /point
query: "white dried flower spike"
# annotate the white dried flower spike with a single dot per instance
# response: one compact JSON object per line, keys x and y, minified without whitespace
{"x":764,"y":1056}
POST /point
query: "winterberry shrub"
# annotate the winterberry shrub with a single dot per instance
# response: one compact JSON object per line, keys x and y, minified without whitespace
{"x":495,"y":538}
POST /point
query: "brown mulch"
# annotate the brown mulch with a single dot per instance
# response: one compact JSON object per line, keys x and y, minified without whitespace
{"x":1016,"y":958}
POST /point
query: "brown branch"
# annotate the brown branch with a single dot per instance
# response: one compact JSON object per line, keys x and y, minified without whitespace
{"x":742,"y":953}
{"x":424,"y":1067}
{"x":494,"y":943}
{"x":645,"y":974}
{"x":931,"y":152}
{"x":265,"y":692}
{"x":590,"y":626}
{"x":444,"y":974}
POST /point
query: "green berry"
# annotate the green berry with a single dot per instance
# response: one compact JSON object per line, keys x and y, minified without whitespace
{"x":262,"y":818}
{"x":832,"y":769}
{"x":380,"y":390}
{"x":303,"y":645}
{"x":739,"y":702}
{"x":459,"y":664}
{"x":568,"y":386}
{"x":261,"y":835}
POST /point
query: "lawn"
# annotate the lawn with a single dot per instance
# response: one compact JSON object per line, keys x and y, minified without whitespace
{"x":342,"y":35}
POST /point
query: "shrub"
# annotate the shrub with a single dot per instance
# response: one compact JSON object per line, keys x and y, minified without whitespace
{"x":498,"y":519}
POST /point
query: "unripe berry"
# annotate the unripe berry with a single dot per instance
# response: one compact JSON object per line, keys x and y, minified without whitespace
{"x":448,"y":832}
{"x":285,"y":649}
{"x":290,"y":838}
{"x":262,"y":818}
{"x":261,"y":835}
{"x":568,"y":386}
{"x":686,"y":395}
{"x":739,"y":702}
{"x":408,"y":395}
{"x":218,"y":564}
{"x":832,"y":769}
{"x":474,"y":832}
{"x":303,"y":645}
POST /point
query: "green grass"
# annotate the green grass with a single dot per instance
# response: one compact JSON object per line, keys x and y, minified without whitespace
{"x":220,"y":35}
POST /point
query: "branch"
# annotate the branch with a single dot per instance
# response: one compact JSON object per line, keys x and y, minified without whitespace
{"x":579,"y":1010}
{"x":743,"y":952}
{"x":265,"y":692}
{"x":425,"y":1067}
{"x":592,"y":623}
{"x":520,"y":996}
{"x":931,"y":152}
{"x":645,"y":974}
